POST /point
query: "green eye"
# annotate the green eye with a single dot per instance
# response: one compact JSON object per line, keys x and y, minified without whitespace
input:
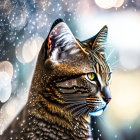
{"x":91,"y":76}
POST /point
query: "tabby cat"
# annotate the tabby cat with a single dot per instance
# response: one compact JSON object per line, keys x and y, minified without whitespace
{"x":70,"y":83}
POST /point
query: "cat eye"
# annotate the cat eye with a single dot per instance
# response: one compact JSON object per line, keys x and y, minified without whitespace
{"x":110,"y":76}
{"x":91,"y":77}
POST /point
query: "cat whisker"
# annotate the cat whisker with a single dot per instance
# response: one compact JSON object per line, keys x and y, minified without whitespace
{"x":79,"y":111}
{"x":114,"y":64}
{"x":76,"y":114}
{"x":95,"y":50}
{"x":93,"y":103}
{"x":110,"y":54}
{"x":83,"y":112}
{"x":79,"y":106}
{"x":74,"y":96}
{"x":71,"y":105}
{"x":90,"y":98}
{"x":70,"y":102}
{"x":72,"y":99}
{"x":91,"y":110}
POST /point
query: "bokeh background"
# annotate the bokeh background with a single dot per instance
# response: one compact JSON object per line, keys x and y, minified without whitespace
{"x":24,"y":25}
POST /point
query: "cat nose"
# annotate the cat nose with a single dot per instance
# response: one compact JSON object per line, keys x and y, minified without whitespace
{"x":106,"y":94}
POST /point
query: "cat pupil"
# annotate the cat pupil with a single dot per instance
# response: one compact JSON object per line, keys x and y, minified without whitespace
{"x":91,"y":76}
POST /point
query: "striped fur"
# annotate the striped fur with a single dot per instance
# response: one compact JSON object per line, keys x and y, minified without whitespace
{"x":60,"y":97}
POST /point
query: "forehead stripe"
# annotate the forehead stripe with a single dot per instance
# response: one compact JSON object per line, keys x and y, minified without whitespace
{"x":97,"y":68}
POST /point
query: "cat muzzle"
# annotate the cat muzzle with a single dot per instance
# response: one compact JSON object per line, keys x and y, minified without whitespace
{"x":106,"y":94}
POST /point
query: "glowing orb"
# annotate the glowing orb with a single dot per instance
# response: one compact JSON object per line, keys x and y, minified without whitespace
{"x":105,"y":4}
{"x":6,"y":66}
{"x":119,"y":3}
{"x":5,"y":86}
{"x":28,"y":52}
{"x":19,"y":53}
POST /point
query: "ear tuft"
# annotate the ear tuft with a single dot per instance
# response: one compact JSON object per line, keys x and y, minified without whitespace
{"x":98,"y":42}
{"x":57,"y":21}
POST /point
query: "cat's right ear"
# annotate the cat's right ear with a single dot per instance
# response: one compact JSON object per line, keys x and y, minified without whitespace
{"x":46,"y":48}
{"x":61,"y":43}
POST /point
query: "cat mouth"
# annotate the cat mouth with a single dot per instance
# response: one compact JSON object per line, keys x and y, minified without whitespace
{"x":98,"y":110}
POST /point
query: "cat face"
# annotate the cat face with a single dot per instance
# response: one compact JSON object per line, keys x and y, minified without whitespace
{"x":76,"y":71}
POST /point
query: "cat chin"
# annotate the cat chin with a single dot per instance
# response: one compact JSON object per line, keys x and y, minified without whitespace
{"x":96,"y":113}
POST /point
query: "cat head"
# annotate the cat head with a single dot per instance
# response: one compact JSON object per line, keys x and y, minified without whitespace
{"x":76,"y":71}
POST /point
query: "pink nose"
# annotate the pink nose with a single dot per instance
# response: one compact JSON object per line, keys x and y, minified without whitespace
{"x":107,"y":100}
{"x":106,"y":94}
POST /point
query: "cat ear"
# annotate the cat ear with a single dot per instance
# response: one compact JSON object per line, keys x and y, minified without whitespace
{"x":98,"y":42}
{"x":61,"y":42}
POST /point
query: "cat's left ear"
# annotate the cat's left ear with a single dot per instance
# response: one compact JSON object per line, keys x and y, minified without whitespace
{"x":61,"y":42}
{"x":98,"y":42}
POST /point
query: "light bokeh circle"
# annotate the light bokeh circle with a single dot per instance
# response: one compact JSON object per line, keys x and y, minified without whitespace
{"x":119,"y":3}
{"x":5,"y":86}
{"x":6,"y":66}
{"x":106,"y":4}
{"x":29,"y":50}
